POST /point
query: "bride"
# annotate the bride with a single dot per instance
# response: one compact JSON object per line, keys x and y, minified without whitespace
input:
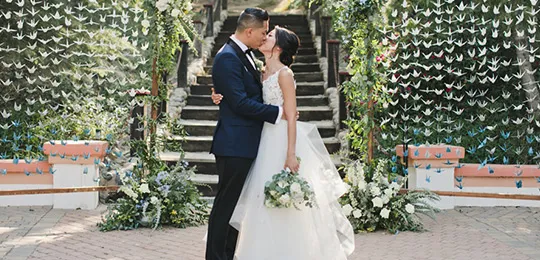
{"x":322,"y":232}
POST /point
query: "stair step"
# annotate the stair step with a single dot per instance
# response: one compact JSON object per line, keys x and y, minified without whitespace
{"x":274,"y":19}
{"x":301,"y":51}
{"x":302,"y":89}
{"x":296,"y":67}
{"x":300,"y":59}
{"x":207,"y":127}
{"x":204,"y":143}
{"x":205,"y":162}
{"x":227,"y":33}
{"x":219,"y":42}
{"x":315,"y":100}
{"x":301,"y":27}
{"x":299,"y":77}
{"x":211,"y":113}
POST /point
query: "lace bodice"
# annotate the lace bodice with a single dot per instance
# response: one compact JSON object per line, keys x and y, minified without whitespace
{"x":272,"y":94}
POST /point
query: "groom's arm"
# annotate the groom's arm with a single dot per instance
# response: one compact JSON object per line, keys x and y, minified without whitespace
{"x":228,"y":81}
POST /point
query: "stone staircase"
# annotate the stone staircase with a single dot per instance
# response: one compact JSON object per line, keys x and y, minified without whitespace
{"x":199,"y":116}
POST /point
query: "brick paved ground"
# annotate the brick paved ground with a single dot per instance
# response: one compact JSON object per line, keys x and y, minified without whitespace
{"x":464,"y":233}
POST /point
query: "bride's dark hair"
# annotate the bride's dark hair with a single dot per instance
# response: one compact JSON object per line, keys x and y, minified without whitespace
{"x":289,"y":42}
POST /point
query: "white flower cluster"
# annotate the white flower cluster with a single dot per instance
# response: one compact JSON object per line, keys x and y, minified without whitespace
{"x":371,"y":200}
{"x":176,"y":6}
{"x":287,"y":190}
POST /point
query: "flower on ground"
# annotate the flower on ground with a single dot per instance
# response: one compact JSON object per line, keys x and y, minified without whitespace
{"x":161,"y":176}
{"x":175,"y":12}
{"x":377,"y":202}
{"x":145,"y":23}
{"x":375,"y":191}
{"x":162,"y":5}
{"x":385,"y":213}
{"x":347,"y":209}
{"x":128,"y":191}
{"x":144,"y":188}
{"x":409,"y":208}
{"x":357,"y":213}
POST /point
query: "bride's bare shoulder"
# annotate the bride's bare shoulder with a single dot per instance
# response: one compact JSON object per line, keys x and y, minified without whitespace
{"x":286,"y":77}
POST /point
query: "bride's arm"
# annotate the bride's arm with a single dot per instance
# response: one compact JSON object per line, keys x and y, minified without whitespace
{"x":286,"y":83}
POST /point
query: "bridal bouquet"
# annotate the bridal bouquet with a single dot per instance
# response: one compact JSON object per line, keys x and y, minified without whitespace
{"x":287,"y":190}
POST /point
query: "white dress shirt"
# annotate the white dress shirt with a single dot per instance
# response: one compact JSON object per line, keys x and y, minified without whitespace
{"x":244,"y":47}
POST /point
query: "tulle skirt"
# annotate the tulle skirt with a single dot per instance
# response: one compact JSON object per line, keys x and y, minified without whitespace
{"x":322,"y":232}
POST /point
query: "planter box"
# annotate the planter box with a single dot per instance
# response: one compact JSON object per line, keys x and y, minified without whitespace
{"x":69,"y":164}
{"x":437,"y":168}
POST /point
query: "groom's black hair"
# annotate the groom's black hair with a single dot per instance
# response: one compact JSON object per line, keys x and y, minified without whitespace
{"x":252,"y":17}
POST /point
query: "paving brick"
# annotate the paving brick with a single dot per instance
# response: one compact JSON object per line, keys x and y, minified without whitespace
{"x":471,"y":233}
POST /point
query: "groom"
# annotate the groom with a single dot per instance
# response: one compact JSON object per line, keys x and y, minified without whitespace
{"x":238,"y":131}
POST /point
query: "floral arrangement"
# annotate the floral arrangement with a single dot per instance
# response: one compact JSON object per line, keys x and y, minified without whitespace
{"x":287,"y":190}
{"x":374,"y":201}
{"x":163,"y":198}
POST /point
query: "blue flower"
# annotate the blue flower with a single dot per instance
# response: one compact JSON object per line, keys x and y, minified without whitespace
{"x":165,"y":189}
{"x":161,"y":176}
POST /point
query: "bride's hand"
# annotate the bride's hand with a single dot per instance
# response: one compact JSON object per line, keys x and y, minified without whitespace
{"x":292,"y":163}
{"x":216,"y":98}
{"x":285,"y":117}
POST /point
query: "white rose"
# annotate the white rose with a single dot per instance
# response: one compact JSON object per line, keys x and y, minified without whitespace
{"x":385,"y":213}
{"x":388,"y":192}
{"x":385,"y":199}
{"x":284,"y":199}
{"x":154,"y":200}
{"x":377,"y":202}
{"x":295,"y":187}
{"x":175,"y":12}
{"x":361,"y":185}
{"x":129,"y":192}
{"x":162,"y":5}
{"x":273,"y":192}
{"x":145,"y":23}
{"x":394,"y":186}
{"x":375,"y":191}
{"x":144,"y":188}
{"x":409,"y":208}
{"x":357,"y":213}
{"x":298,"y":198}
{"x":282,"y":184}
{"x":347,"y":209}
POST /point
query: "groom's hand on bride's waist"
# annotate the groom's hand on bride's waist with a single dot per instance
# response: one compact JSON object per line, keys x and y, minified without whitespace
{"x":216,"y":98}
{"x":285,"y":117}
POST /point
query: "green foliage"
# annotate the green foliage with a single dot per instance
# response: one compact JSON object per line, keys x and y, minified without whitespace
{"x":373,"y":201}
{"x":156,"y":195}
{"x":356,"y":22}
{"x":287,"y":190}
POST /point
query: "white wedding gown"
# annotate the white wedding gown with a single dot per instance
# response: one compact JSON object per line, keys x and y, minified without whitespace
{"x":319,"y":233}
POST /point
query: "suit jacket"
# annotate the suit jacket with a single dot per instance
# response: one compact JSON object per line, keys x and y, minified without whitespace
{"x":241,"y":111}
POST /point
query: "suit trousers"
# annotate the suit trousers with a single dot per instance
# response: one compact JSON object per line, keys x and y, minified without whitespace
{"x":221,"y":240}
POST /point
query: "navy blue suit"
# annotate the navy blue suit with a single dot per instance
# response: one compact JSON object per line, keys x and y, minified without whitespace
{"x":241,"y":112}
{"x":236,"y":141}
